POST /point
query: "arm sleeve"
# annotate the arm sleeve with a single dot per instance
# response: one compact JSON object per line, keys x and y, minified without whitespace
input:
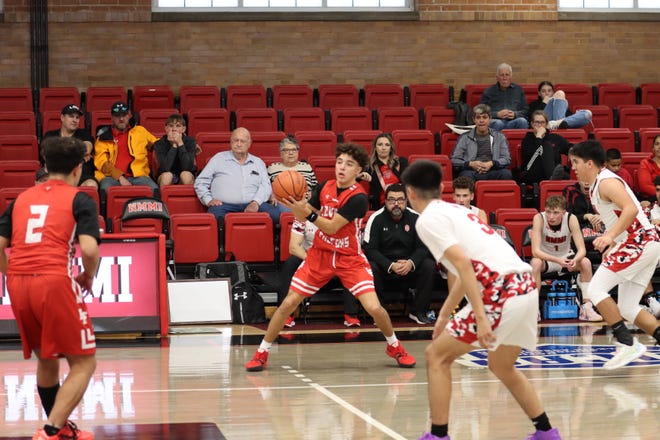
{"x":165,"y":155}
{"x":86,"y":215}
{"x":355,"y":207}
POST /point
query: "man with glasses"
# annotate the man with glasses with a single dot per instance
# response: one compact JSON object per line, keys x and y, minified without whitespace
{"x":541,"y":152}
{"x":396,"y":254}
{"x":482,"y":153}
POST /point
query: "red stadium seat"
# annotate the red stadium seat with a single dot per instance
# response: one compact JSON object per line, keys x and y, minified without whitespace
{"x":602,"y":116}
{"x":398,"y":118}
{"x":323,"y":166}
{"x":615,"y":94}
{"x":621,"y":138}
{"x":361,"y":137}
{"x":350,"y":118}
{"x":316,"y":143}
{"x":16,"y":99}
{"x":211,"y":142}
{"x":198,"y":228}
{"x":99,"y":118}
{"x":299,"y":119}
{"x":577,"y":94}
{"x":441,"y":159}
{"x":650,"y":94}
{"x":102,"y":98}
{"x":93,"y":192}
{"x":646,"y":136}
{"x":198,"y":97}
{"x":153,"y":119}
{"x":437,"y":118}
{"x":474,"y":92}
{"x":549,"y":188}
{"x":55,"y":98}
{"x":383,"y":95}
{"x":249,"y":237}
{"x":631,"y":161}
{"x":181,"y":199}
{"x":257,"y":119}
{"x":18,"y":173}
{"x":531,"y":91}
{"x":245,"y":96}
{"x":448,"y":191}
{"x":448,"y":142}
{"x":514,"y":137}
{"x":409,"y":142}
{"x":207,"y":119}
{"x":266,"y":143}
{"x":338,"y":95}
{"x":117,"y":196}
{"x":7,"y":195}
{"x":292,"y":96}
{"x":425,"y":95}
{"x":152,"y":97}
{"x":18,"y":122}
{"x":286,"y":220}
{"x":515,"y":221}
{"x":19,"y":147}
{"x":573,"y":135}
{"x":493,"y":194}
{"x":635,"y":116}
{"x":52,"y":120}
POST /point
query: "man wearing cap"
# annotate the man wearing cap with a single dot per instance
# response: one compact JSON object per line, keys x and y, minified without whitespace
{"x":122,"y":152}
{"x":70,"y":118}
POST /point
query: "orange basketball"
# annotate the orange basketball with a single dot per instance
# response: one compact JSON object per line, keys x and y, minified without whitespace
{"x":289,"y":183}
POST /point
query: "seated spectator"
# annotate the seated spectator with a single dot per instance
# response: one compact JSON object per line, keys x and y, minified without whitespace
{"x":578,"y":203}
{"x":122,"y":152}
{"x":41,"y":176}
{"x":541,"y":152}
{"x":236,"y":181}
{"x":649,"y":169}
{"x":385,"y":169}
{"x":553,"y":230}
{"x":613,"y":164}
{"x":175,"y":154}
{"x":506,"y":100}
{"x":70,"y":120}
{"x":555,"y":105}
{"x":302,"y":236}
{"x":482,"y":153}
{"x":290,"y":154}
{"x":464,"y":195}
{"x":396,"y":254}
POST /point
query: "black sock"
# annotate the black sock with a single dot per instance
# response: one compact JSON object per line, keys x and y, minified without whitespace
{"x":47,"y":396}
{"x":541,"y":423}
{"x":622,"y":334}
{"x":656,"y":335}
{"x":51,"y":430}
{"x":439,"y":430}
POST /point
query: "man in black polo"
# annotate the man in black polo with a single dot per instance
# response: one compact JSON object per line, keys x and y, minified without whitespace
{"x":397,"y":255}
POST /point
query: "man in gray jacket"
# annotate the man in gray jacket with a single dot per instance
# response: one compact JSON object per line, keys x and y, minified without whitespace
{"x":482,"y":153}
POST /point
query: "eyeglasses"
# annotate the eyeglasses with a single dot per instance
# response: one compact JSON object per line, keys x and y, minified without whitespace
{"x":539,"y":122}
{"x":393,"y":200}
{"x":289,"y":150}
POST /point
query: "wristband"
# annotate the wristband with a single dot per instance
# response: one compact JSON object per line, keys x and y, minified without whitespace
{"x":312,"y":217}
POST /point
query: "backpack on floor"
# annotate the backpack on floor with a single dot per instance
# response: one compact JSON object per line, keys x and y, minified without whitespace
{"x":247,"y":306}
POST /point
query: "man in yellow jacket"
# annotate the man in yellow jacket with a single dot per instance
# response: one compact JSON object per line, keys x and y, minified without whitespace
{"x":122,"y":152}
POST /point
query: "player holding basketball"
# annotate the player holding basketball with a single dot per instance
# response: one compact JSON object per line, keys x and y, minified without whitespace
{"x":501,"y":319}
{"x":41,"y":226}
{"x":337,"y":208}
{"x":630,"y":252}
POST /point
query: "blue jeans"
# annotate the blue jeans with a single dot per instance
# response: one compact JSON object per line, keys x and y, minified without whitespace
{"x":501,"y":124}
{"x":107,"y":182}
{"x":556,"y":110}
{"x":220,"y":211}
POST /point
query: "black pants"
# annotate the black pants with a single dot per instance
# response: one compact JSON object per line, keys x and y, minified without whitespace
{"x":286,"y":274}
{"x":420,"y":279}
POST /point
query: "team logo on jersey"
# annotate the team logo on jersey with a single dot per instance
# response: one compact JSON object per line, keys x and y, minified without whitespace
{"x":560,"y":356}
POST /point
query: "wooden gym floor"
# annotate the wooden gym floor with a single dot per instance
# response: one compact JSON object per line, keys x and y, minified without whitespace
{"x":335,"y":384}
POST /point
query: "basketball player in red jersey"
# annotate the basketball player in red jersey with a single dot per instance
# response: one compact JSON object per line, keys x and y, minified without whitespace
{"x":41,"y":226}
{"x":337,"y":208}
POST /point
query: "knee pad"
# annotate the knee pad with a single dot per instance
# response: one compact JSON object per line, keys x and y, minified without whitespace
{"x":629,"y":312}
{"x":595,"y":296}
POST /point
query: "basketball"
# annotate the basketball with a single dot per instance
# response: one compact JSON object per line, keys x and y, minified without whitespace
{"x":289,"y":183}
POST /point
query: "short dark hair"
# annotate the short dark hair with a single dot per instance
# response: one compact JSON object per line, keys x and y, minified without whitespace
{"x":613,"y":154}
{"x":464,"y":182}
{"x":425,"y":177}
{"x":589,"y":150}
{"x":62,"y":154}
{"x":174,"y":118}
{"x":395,"y":187}
{"x":356,"y":151}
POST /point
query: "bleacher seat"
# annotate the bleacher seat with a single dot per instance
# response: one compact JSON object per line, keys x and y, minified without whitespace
{"x":474,"y":92}
{"x":18,"y":173}
{"x":102,"y":98}
{"x":211,"y":142}
{"x":350,"y":118}
{"x":448,"y":191}
{"x":490,"y":195}
{"x":631,"y":161}
{"x":577,"y":94}
{"x":425,"y":95}
{"x":248,"y":236}
{"x":55,"y":98}
{"x":361,"y":137}
{"x":19,"y":147}
{"x":198,"y":97}
{"x":515,"y":220}
{"x":602,"y":116}
{"x":397,"y":118}
{"x":383,"y":95}
{"x":531,"y":91}
{"x":441,"y":159}
{"x":181,"y":199}
{"x":573,"y":135}
{"x":292,"y":96}
{"x":316,"y":143}
{"x":323,"y":166}
{"x":7,"y":195}
{"x":650,"y":94}
{"x":116,"y":197}
{"x":153,"y":119}
{"x":549,"y":188}
{"x":636,"y":116}
{"x":99,"y":118}
{"x":93,"y":192}
{"x":286,"y":220}
{"x":615,"y":94}
{"x":437,"y":118}
{"x":621,"y":138}
{"x":514,"y":138}
{"x":152,"y":97}
{"x":198,"y":228}
{"x":245,"y":96}
{"x":409,"y":142}
{"x":257,"y":119}
{"x":300,"y":119}
{"x":207,"y":119}
{"x":338,"y":95}
{"x":266,"y":143}
{"x":448,"y":142}
{"x":18,"y":122}
{"x":16,"y":99}
{"x":646,"y":136}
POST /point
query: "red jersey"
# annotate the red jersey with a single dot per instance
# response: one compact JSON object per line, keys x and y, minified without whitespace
{"x":42,"y":224}
{"x":346,"y":241}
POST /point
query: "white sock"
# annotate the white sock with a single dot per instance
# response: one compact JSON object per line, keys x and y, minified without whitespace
{"x":583,"y":287}
{"x":392,"y":340}
{"x":265,"y":346}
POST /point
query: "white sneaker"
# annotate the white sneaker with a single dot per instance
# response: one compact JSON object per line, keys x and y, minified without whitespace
{"x":654,"y":306}
{"x":553,"y":125}
{"x":625,"y":354}
{"x":587,"y":313}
